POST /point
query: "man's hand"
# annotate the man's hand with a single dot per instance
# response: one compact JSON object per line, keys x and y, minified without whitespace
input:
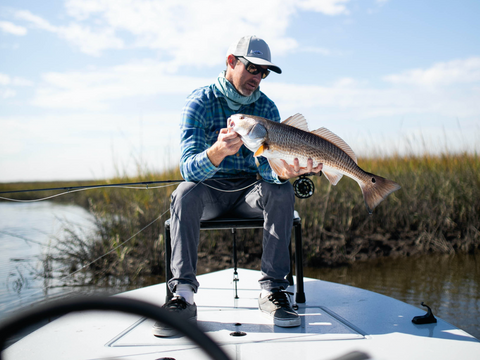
{"x":295,"y":170}
{"x":228,"y":143}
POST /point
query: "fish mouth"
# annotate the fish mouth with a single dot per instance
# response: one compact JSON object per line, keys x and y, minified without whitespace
{"x":231,"y":122}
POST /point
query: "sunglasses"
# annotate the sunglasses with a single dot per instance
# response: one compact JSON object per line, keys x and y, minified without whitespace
{"x":252,"y":68}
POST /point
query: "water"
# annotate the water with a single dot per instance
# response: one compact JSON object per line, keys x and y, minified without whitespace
{"x":450,"y":285}
{"x":28,"y":233}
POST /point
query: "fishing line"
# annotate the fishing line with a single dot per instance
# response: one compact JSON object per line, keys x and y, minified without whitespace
{"x":83,"y":189}
{"x":44,"y":287}
{"x":151,"y":223}
{"x":116,"y":247}
{"x":146,"y":183}
{"x":229,"y":191}
{"x":71,"y":190}
{"x":23,"y":238}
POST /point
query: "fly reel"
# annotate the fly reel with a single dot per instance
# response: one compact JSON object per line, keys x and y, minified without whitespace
{"x":303,"y":187}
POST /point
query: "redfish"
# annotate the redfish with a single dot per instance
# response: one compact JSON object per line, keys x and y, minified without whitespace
{"x":292,"y":139}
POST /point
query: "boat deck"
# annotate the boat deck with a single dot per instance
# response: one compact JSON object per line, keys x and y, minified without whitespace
{"x":336,"y":320}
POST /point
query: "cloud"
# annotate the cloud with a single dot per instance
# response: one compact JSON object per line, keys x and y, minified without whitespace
{"x":34,"y":20}
{"x":450,"y":89}
{"x":7,"y":93}
{"x":460,"y":71}
{"x":400,"y":94}
{"x":94,"y":90}
{"x":75,"y":146}
{"x":11,"y":28}
{"x":171,"y":27}
{"x":14,"y":81}
{"x":8,"y":82}
{"x":88,"y":40}
{"x":327,"y":7}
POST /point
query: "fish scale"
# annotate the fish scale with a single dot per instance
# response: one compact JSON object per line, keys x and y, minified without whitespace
{"x":303,"y":145}
{"x":289,"y":140}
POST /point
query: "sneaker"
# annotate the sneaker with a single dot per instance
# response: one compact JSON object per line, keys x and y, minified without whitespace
{"x":176,"y":305}
{"x":277,"y":306}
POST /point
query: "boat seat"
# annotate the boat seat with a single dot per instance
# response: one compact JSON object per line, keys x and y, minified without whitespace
{"x":233,"y":225}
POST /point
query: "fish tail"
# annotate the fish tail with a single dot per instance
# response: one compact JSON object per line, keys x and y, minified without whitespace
{"x":376,"y":189}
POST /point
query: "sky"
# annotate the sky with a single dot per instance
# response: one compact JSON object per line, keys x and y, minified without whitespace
{"x":91,"y":89}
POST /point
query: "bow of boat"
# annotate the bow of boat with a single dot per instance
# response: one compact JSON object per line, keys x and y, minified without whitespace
{"x":336,"y":320}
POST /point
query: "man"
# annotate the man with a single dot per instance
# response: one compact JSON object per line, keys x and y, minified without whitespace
{"x":221,"y":180}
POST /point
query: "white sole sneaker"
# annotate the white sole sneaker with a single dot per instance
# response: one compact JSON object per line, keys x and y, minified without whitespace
{"x":277,"y":307}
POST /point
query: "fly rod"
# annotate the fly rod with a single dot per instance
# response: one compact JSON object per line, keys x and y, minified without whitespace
{"x":69,"y":188}
{"x":303,"y":187}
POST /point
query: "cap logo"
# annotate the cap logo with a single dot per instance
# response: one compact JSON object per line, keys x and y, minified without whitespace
{"x":256,"y":52}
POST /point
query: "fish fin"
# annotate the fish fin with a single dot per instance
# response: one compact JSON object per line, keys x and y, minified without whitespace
{"x":259,"y":151}
{"x":335,"y":140}
{"x":277,"y":166}
{"x":297,"y":121}
{"x":332,"y":176}
{"x":376,"y":190}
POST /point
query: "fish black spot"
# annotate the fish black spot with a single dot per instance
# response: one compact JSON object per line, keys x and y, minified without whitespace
{"x":373,"y":180}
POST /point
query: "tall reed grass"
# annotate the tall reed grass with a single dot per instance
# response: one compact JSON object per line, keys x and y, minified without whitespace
{"x":436,"y":211}
{"x":127,"y":245}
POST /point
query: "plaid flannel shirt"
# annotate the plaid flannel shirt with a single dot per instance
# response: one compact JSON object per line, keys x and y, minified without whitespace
{"x":204,"y":114}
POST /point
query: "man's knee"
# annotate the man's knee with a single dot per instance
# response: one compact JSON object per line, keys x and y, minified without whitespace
{"x":278,"y":196}
{"x":187,"y":193}
{"x":278,"y":191}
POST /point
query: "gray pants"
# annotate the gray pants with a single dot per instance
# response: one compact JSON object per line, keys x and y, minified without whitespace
{"x":192,"y":202}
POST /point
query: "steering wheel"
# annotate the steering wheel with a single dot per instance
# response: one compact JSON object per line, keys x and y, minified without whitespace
{"x":137,"y":307}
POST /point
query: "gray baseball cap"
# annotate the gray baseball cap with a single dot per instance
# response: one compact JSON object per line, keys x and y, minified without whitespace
{"x":254,"y":50}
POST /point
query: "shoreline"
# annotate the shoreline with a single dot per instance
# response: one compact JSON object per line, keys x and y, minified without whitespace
{"x":437,"y":210}
{"x":330,"y":253}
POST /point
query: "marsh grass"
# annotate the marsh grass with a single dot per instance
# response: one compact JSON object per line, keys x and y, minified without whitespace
{"x":436,"y":211}
{"x":126,"y":245}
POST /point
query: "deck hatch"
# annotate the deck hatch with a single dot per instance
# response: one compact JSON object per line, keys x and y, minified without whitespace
{"x":318,"y":323}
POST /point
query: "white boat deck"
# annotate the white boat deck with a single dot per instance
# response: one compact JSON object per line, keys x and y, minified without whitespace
{"x":336,"y":319}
